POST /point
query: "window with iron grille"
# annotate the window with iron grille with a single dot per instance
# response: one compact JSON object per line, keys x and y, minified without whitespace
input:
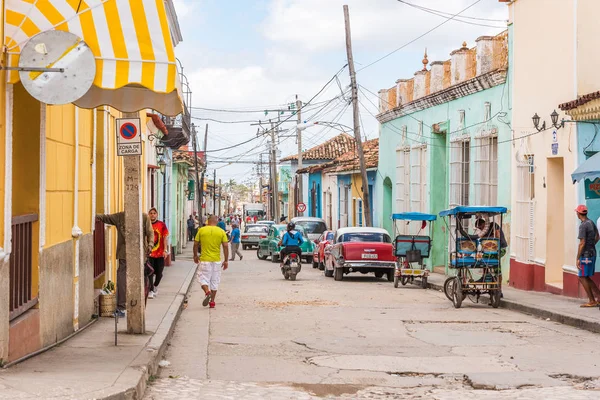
{"x":524,"y":222}
{"x":460,"y":158}
{"x":343,"y":207}
{"x":486,"y":162}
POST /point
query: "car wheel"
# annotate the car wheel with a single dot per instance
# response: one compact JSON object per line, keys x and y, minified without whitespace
{"x":321,"y":266}
{"x":338,"y":274}
{"x":259,"y":255}
{"x":309,"y":260}
{"x":378,"y":275}
{"x":315,"y":264}
{"x":390,"y":274}
{"x":328,"y":273}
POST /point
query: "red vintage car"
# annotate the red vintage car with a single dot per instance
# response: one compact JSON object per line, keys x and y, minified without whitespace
{"x":319,"y":254}
{"x":361,"y":250}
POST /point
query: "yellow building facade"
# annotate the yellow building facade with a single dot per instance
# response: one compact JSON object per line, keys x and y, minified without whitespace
{"x":59,"y":167}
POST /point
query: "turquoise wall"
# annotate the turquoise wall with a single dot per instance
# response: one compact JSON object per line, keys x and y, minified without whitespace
{"x":314,"y":181}
{"x":438,"y":152}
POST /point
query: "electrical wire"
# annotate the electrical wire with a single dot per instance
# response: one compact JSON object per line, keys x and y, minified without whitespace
{"x":286,"y":119}
{"x":419,"y":37}
{"x":456,"y":19}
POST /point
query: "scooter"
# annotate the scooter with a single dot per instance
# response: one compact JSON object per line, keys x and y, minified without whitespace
{"x":291,"y":266}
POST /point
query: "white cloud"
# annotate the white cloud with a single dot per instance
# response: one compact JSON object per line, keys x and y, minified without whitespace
{"x":184,"y":8}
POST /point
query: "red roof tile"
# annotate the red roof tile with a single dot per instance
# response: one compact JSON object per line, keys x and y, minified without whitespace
{"x":328,"y":150}
{"x":349,"y":161}
{"x":581,"y":100}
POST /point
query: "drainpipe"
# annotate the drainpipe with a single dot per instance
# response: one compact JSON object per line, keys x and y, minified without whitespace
{"x":42,"y":210}
{"x":5,"y":254}
{"x":107,"y":162}
{"x":93,"y":161}
{"x":76,"y":231}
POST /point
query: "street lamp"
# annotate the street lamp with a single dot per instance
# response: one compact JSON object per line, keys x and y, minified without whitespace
{"x":160,"y":149}
{"x":553,"y":118}
{"x":162,"y":164}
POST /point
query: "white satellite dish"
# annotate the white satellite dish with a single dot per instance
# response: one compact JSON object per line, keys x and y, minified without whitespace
{"x":57,"y":67}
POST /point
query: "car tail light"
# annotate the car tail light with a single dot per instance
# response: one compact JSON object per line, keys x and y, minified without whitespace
{"x":245,"y":237}
{"x":263,"y":237}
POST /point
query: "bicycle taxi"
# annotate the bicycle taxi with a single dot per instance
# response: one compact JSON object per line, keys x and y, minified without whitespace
{"x":411,"y":250}
{"x":475,"y":257}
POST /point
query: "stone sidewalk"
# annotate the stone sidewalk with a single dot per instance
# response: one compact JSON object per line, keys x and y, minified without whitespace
{"x":564,"y":310}
{"x":90,"y":366}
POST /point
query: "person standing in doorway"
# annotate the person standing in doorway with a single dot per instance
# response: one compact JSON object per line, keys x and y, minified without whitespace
{"x":118,"y":220}
{"x":191,"y":225}
{"x":209,"y":241}
{"x":235,"y":242}
{"x":159,"y":251}
{"x":586,"y":256}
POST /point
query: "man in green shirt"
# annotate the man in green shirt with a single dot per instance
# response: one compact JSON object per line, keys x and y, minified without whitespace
{"x":118,"y":220}
{"x":209,"y":240}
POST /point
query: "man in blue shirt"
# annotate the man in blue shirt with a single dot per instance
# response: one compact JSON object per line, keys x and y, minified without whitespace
{"x":221,"y":224}
{"x":235,"y":242}
{"x":291,"y":241}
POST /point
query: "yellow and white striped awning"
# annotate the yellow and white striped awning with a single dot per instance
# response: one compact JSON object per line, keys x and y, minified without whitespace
{"x":131,"y":40}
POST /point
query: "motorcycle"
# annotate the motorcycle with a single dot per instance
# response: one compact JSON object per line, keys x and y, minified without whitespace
{"x":291,"y":266}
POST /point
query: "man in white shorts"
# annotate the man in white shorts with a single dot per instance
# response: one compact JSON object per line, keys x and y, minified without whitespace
{"x":210,"y":239}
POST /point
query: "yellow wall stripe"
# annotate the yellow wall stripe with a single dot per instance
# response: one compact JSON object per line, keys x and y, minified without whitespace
{"x":144,"y":42}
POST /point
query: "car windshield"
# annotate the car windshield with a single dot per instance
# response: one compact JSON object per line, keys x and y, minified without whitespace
{"x":329,"y":236}
{"x":313,"y":226}
{"x":255,"y":228}
{"x":365,"y":237}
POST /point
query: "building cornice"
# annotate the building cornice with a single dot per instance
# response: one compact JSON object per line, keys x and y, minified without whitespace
{"x":466,"y":88}
{"x":586,"y":112}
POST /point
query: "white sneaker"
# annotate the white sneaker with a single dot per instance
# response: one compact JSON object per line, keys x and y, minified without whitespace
{"x":155,"y":291}
{"x":151,"y":295}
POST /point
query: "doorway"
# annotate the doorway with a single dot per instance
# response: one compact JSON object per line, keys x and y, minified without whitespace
{"x":555,"y":222}
{"x":387,"y":206}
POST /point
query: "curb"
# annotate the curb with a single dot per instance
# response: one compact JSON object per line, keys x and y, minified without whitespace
{"x":146,"y":363}
{"x":591,"y":326}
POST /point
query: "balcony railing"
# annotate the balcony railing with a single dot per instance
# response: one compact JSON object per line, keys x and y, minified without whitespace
{"x":21,"y":274}
{"x":99,"y":247}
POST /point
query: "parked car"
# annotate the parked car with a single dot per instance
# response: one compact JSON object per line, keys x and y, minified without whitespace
{"x":361,"y":250}
{"x":320,"y":244}
{"x":253,"y":233}
{"x":269,"y":246}
{"x":268,"y":223}
{"x":314,"y":227}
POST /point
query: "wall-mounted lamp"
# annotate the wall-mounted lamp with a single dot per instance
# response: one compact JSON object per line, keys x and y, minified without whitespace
{"x":553,"y":117}
{"x":162,"y":164}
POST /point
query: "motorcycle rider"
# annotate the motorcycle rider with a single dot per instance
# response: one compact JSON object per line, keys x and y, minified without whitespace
{"x":291,"y":241}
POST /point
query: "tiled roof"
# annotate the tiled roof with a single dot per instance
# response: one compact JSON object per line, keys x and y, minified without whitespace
{"x":586,"y":98}
{"x":328,"y":150}
{"x":349,"y":160}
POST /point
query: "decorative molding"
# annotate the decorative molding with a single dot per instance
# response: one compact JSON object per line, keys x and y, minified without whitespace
{"x":463,"y":89}
{"x":586,"y":112}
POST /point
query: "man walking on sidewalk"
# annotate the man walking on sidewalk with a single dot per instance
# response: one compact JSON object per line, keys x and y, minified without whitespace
{"x":159,"y":251}
{"x":118,"y":220}
{"x":191,"y":224}
{"x":209,"y":240}
{"x":235,"y":242}
{"x":586,"y":256}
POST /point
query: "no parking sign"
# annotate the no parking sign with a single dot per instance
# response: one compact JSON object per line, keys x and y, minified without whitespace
{"x":129,"y":137}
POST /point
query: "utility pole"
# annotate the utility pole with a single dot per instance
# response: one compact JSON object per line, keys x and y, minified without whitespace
{"x":275,"y":190}
{"x":201,"y":202}
{"x":199,"y":189}
{"x":299,"y":134}
{"x":215,"y":192}
{"x":260,"y":180}
{"x":136,"y":318}
{"x":359,"y":147}
{"x":220,"y":197}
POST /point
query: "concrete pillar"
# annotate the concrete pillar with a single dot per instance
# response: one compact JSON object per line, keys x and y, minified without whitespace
{"x":485,"y":54}
{"x":459,"y":60}
{"x":383,"y":103}
{"x":404,"y":93}
{"x":136,"y":322}
{"x":420,"y":88}
{"x":437,"y":76}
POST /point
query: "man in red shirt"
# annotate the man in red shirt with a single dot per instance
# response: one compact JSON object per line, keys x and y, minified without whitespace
{"x":159,"y":251}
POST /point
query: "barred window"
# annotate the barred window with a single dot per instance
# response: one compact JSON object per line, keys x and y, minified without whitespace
{"x":524,"y":222}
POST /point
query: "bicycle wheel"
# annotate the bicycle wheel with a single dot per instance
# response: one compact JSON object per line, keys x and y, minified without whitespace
{"x":449,"y":288}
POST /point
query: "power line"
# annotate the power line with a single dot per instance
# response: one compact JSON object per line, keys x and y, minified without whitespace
{"x":286,"y":119}
{"x":420,"y":36}
{"x":457,"y":19}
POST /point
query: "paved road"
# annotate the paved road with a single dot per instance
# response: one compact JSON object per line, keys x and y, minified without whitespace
{"x":360,"y":338}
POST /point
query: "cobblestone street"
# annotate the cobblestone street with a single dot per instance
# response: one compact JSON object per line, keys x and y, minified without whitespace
{"x":362,"y":339}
